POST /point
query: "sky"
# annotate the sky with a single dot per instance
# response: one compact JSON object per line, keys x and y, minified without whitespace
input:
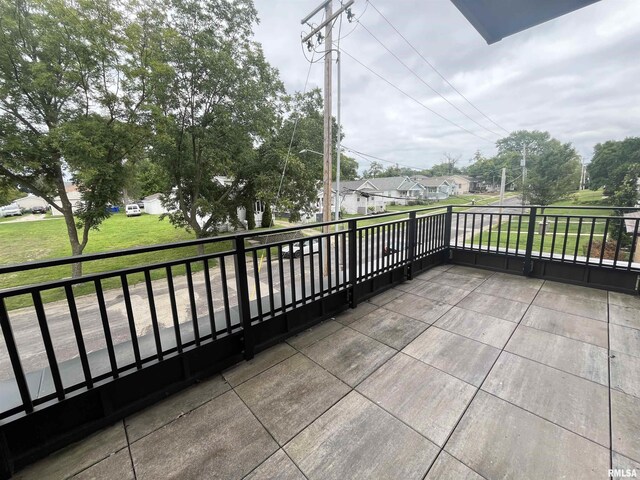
{"x":577,"y":77}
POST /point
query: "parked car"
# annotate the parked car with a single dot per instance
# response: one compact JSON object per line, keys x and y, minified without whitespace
{"x":132,"y":210}
{"x":397,"y":247}
{"x":296,"y":251}
{"x":11,"y":210}
{"x":39,"y":209}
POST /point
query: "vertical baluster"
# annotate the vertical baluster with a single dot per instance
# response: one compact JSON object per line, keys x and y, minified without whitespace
{"x":256,"y":279}
{"x":106,"y":328}
{"x":154,"y":315}
{"x":192,"y":303}
{"x":225,"y":293}
{"x":130,"y":319}
{"x":77,"y":330}
{"x":14,"y":357}
{"x":48,"y":344}
{"x":174,"y":309}
{"x":209,"y":292}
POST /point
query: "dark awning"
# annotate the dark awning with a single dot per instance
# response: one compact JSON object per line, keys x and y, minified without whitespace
{"x":496,"y":19}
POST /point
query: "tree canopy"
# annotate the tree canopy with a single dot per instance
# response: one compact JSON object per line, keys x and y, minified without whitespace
{"x":611,"y":162}
{"x":70,"y":103}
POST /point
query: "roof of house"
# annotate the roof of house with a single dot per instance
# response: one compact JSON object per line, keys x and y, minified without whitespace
{"x":149,"y":198}
{"x":433,"y":181}
{"x":391,"y":183}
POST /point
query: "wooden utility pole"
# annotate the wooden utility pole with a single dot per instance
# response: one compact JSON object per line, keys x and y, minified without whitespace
{"x":328,"y":69}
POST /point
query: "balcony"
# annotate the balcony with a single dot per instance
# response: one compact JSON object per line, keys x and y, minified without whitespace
{"x":438,"y":368}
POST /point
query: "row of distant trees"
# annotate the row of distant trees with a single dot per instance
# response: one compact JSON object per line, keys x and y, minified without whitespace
{"x":150,"y":96}
{"x":553,"y":168}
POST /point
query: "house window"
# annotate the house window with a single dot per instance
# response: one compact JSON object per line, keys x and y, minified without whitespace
{"x":259,"y":206}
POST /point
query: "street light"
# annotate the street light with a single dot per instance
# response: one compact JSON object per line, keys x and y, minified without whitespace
{"x":311,"y":151}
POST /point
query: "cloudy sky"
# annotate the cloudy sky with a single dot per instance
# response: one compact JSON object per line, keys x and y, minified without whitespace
{"x":577,"y":76}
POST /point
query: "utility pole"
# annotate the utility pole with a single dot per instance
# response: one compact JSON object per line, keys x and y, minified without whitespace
{"x":503,"y":183}
{"x":328,"y":67}
{"x":328,"y":61}
{"x":524,"y":172}
{"x":583,"y":176}
{"x":338,"y":148}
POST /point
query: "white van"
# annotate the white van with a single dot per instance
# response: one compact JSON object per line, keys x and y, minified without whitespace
{"x":11,"y":210}
{"x":132,"y":210}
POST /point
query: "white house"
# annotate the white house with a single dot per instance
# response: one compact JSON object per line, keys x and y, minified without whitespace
{"x":30,"y":201}
{"x":74,"y":196}
{"x":436,"y":188}
{"x":153,"y":204}
{"x":374,"y":194}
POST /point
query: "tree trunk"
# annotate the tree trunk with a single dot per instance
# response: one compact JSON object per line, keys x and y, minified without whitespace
{"x":72,"y":230}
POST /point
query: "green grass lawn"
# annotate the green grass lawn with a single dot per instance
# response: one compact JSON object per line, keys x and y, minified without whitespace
{"x":28,"y":241}
{"x":566,"y":228}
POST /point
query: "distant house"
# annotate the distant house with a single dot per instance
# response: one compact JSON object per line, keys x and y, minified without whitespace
{"x":374,"y":194}
{"x":74,"y":196}
{"x":436,"y":188}
{"x":153,"y":204}
{"x":459,"y":184}
{"x":30,"y":201}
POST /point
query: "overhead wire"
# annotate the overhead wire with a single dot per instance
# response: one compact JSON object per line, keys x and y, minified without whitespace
{"x":364,"y":155}
{"x":293,"y":133}
{"x":425,"y":82}
{"x":408,"y":95}
{"x":436,"y":70}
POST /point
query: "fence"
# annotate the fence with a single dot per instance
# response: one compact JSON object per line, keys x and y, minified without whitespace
{"x":80,"y":352}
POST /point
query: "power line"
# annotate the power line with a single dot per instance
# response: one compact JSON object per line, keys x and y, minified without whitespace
{"x":436,"y":70}
{"x":295,"y":126}
{"x":424,"y":82}
{"x":415,"y":99}
{"x":364,"y":155}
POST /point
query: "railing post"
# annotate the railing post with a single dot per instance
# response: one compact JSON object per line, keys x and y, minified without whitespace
{"x":411,"y":244}
{"x":526,"y":271}
{"x":448,"y":222}
{"x":353,"y":262}
{"x":244,"y":306}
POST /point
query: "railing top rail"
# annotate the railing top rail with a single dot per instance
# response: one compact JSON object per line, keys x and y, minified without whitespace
{"x":55,"y":262}
{"x":548,"y":207}
{"x":91,"y":277}
{"x":12,"y":268}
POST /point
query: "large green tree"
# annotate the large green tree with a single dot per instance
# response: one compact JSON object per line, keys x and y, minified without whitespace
{"x":215,"y":100}
{"x":287,"y":169}
{"x":553,"y":168}
{"x":69,"y":104}
{"x":611,"y":162}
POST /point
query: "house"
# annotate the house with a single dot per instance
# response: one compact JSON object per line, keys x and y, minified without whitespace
{"x":153,"y":204}
{"x":30,"y":201}
{"x":435,"y":188}
{"x":74,"y":196}
{"x":359,"y":197}
{"x":374,"y":194}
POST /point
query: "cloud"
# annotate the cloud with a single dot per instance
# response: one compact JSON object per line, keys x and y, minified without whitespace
{"x":575,"y":76}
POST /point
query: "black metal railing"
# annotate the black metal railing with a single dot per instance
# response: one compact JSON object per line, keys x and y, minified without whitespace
{"x":578,"y":236}
{"x":103,"y":325}
{"x":221,"y":299}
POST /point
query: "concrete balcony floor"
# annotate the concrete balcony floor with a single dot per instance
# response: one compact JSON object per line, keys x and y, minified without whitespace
{"x":457,"y":374}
